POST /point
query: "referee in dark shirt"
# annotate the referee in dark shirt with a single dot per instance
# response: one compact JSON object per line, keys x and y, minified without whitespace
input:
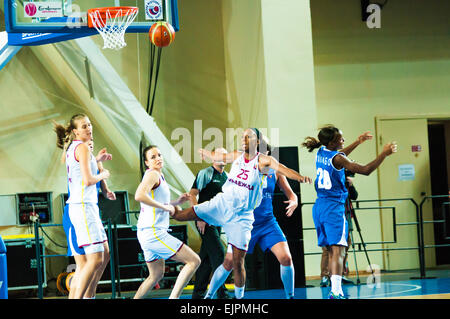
{"x":207,"y":184}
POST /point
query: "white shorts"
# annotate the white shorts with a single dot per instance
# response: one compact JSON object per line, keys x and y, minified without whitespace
{"x":157,"y":243}
{"x":236,"y":224}
{"x":89,"y":230}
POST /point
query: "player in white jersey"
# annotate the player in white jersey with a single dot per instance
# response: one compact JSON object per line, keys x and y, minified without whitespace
{"x":83,"y":210}
{"x":242,"y":193}
{"x":152,"y":228}
{"x":73,"y":248}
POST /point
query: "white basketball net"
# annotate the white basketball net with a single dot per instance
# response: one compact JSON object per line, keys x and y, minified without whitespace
{"x":112,"y":27}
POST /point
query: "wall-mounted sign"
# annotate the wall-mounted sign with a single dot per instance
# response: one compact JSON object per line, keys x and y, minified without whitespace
{"x":416,"y":148}
{"x":406,"y":172}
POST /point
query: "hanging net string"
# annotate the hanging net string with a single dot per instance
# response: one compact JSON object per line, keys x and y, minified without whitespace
{"x":112,"y":23}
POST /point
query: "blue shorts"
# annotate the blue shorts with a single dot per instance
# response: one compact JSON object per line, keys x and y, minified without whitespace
{"x":72,"y":245}
{"x":330,"y":222}
{"x":266,"y":235}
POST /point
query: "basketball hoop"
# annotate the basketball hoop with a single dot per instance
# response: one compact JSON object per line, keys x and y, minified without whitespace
{"x":111,"y":23}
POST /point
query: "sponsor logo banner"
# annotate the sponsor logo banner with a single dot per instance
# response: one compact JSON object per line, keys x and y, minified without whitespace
{"x":48,"y":9}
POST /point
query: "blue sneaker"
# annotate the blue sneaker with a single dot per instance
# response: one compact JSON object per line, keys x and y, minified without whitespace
{"x":333,"y":296}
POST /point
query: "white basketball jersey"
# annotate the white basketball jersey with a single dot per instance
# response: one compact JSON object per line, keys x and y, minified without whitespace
{"x":78,"y":191}
{"x":244,"y":185}
{"x":155,"y":217}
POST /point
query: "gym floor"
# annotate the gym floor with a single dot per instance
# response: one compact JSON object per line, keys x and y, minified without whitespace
{"x":399,"y":284}
{"x":389,"y":285}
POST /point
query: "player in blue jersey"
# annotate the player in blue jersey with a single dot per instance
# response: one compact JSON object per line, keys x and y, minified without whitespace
{"x":329,"y":210}
{"x":267,"y":233}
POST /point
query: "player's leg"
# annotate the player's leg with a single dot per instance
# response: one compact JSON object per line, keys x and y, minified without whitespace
{"x":94,"y":258}
{"x":238,"y":231}
{"x":80,"y":261}
{"x":324,"y":271}
{"x":287,"y":272}
{"x":74,"y":251}
{"x":191,"y":262}
{"x":221,"y":274}
{"x":156,"y":273}
{"x":239,"y":272}
{"x":336,"y":263}
{"x":90,"y":292}
{"x":336,"y":229}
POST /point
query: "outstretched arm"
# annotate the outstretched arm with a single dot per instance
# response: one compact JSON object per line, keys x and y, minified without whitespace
{"x":361,"y":139}
{"x":219,"y":157}
{"x":340,"y":161}
{"x":269,"y":161}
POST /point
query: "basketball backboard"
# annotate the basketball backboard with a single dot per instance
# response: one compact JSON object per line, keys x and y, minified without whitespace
{"x":70,"y":16}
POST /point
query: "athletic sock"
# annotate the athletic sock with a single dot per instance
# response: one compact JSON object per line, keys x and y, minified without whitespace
{"x":287,"y":274}
{"x":336,"y":284}
{"x":239,"y":292}
{"x":217,"y":280}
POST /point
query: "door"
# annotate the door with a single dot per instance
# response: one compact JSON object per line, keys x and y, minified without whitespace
{"x":405,"y":174}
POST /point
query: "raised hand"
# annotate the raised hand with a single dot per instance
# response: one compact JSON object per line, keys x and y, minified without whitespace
{"x":364,"y":137}
{"x":390,"y":148}
{"x":103,"y":155}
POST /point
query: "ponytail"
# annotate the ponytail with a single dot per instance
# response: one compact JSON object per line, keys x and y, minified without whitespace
{"x":60,"y":131}
{"x":311,"y":143}
{"x":327,"y":134}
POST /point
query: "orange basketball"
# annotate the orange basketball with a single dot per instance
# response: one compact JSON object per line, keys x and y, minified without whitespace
{"x":161,"y":34}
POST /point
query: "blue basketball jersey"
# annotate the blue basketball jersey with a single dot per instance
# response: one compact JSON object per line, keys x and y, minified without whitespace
{"x":264,"y":212}
{"x":330,"y":182}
